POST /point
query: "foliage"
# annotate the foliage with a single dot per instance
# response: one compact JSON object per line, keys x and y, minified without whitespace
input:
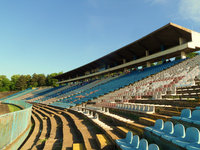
{"x":22,"y":82}
{"x":4,"y":83}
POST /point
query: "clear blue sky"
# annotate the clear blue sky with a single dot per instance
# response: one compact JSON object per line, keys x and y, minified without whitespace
{"x":46,"y":36}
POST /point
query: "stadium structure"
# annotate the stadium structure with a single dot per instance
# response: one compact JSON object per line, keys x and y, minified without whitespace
{"x":138,"y":97}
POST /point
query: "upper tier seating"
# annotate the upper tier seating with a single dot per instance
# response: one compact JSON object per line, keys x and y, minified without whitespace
{"x":59,"y":92}
{"x":160,"y":84}
{"x":116,"y":84}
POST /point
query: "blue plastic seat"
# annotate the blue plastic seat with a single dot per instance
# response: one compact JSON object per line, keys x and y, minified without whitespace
{"x":153,"y":147}
{"x":143,"y":145}
{"x":127,"y":140}
{"x":185,"y":113}
{"x":179,"y":132}
{"x":192,"y":138}
{"x":158,"y":125}
{"x":133,"y":145}
{"x":193,"y":147}
{"x":168,"y":129}
{"x":198,"y":107}
{"x":195,"y":117}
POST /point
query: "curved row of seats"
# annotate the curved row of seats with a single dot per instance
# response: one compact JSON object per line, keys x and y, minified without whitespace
{"x":134,"y":143}
{"x":115,"y":84}
{"x":45,"y":134}
{"x":145,"y":108}
{"x":189,"y":139}
{"x":188,"y":116}
{"x":160,"y":84}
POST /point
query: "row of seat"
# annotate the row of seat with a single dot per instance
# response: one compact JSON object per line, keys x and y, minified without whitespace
{"x":189,"y":139}
{"x":160,"y":84}
{"x":134,"y":143}
{"x":18,"y":94}
{"x":115,"y":84}
{"x":145,"y":108}
{"x":141,"y":88}
{"x":188,"y":116}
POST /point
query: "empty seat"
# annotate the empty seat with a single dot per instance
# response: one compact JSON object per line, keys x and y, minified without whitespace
{"x":193,"y":146}
{"x":168,"y":129}
{"x":191,"y":137}
{"x":143,"y":145}
{"x":195,"y":117}
{"x":153,"y":147}
{"x":127,"y":140}
{"x":198,"y":107}
{"x":179,"y":132}
{"x":157,"y":126}
{"x":133,"y":145}
{"x":185,"y":113}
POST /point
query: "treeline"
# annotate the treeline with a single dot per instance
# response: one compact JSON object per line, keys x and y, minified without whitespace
{"x":22,"y":82}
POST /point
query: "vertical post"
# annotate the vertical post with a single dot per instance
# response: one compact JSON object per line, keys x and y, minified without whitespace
{"x":162,"y":49}
{"x":148,"y":64}
{"x":183,"y":55}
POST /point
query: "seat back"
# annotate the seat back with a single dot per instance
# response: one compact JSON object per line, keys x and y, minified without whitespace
{"x":129,"y":137}
{"x":135,"y":141}
{"x":143,"y":145}
{"x":146,"y":108}
{"x":192,"y":135}
{"x":153,"y":147}
{"x":168,"y":127}
{"x":179,"y":130}
{"x":159,"y":124}
{"x":196,"y":115}
{"x":133,"y":107}
{"x":186,"y":113}
{"x":137,"y":107}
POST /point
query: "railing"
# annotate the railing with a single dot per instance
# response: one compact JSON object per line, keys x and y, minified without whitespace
{"x":13,"y":124}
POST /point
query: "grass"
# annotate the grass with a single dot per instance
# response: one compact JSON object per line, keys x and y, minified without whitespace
{"x":13,"y":108}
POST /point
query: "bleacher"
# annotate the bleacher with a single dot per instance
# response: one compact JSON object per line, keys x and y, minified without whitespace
{"x":18,"y":94}
{"x":114,"y":84}
{"x":124,"y":100}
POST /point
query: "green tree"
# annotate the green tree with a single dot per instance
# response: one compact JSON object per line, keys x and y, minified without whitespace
{"x":28,"y":80}
{"x":51,"y":81}
{"x":41,"y":80}
{"x":34,"y":80}
{"x":14,"y":79}
{"x":4,"y":83}
{"x":21,"y":83}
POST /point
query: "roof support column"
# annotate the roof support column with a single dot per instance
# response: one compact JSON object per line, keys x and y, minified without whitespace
{"x":182,"y":41}
{"x":148,"y":64}
{"x":162,"y":49}
{"x":183,"y":55}
{"x":124,"y":61}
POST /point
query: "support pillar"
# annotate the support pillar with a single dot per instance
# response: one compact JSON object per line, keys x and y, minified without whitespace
{"x":182,"y":40}
{"x":162,"y":49}
{"x":148,"y":64}
{"x":183,"y":55}
{"x":124,"y":61}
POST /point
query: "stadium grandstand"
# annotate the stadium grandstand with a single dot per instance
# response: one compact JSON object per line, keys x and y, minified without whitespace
{"x":143,"y":96}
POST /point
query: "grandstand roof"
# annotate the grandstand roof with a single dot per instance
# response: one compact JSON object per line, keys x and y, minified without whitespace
{"x":166,"y":36}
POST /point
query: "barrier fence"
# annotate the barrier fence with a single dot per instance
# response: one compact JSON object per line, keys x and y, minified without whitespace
{"x":13,"y":124}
